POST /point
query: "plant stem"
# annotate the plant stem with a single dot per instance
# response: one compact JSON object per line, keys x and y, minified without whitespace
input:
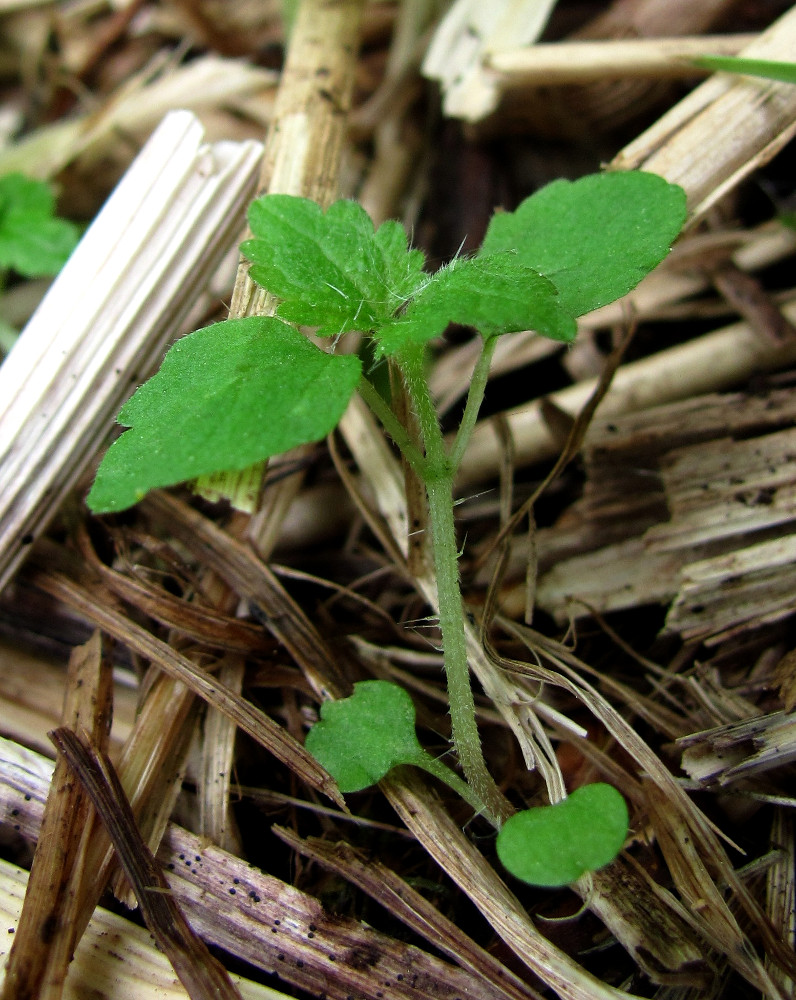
{"x":475,"y":396}
{"x":438,"y":475}
{"x":443,"y":773}
{"x":392,"y":425}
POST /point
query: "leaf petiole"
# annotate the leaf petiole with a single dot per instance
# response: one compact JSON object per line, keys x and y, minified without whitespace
{"x":392,"y":425}
{"x":475,"y":397}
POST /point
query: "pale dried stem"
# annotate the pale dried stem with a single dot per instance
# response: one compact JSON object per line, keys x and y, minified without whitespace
{"x":302,"y":157}
{"x":715,"y":361}
{"x":554,"y":64}
{"x":724,"y":130}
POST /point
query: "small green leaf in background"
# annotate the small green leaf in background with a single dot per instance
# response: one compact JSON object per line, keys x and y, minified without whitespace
{"x":359,"y":739}
{"x":594,"y":238}
{"x":554,"y":845}
{"x":32,"y":241}
{"x":225,"y":397}
{"x":771,"y":69}
{"x":495,"y":294}
{"x":330,"y":269}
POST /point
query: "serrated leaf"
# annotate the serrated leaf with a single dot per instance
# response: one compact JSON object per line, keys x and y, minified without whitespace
{"x":495,"y":294}
{"x":331,"y":270}
{"x":594,"y":238}
{"x":359,"y":739}
{"x":554,"y":845}
{"x":224,"y":398}
{"x":32,"y":241}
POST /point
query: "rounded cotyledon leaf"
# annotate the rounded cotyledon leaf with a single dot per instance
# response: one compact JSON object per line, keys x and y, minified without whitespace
{"x":554,"y":845}
{"x":225,"y":397}
{"x":359,"y":739}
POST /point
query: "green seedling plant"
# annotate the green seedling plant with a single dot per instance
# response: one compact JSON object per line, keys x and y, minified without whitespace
{"x":361,"y":739}
{"x":34,"y":242}
{"x":241,"y":391}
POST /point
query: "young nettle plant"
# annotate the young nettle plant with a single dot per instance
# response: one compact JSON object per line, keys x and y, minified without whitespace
{"x":34,"y":242}
{"x":240,"y":391}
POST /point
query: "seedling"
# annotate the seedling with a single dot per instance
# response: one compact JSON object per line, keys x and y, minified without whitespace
{"x":33,"y":242}
{"x":361,"y":739}
{"x":243,"y":390}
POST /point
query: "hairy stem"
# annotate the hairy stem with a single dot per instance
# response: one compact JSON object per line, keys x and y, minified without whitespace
{"x":392,"y":425}
{"x":438,"y":474}
{"x":444,"y":774}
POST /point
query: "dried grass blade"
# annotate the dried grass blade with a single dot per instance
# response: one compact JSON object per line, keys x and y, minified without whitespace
{"x":217,"y":758}
{"x":47,"y":932}
{"x":196,"y":621}
{"x":551,"y":64}
{"x":262,"y":920}
{"x":781,"y":892}
{"x":252,"y":580}
{"x":400,"y":899}
{"x":202,"y":975}
{"x":152,"y":768}
{"x":252,"y":721}
{"x":701,"y":895}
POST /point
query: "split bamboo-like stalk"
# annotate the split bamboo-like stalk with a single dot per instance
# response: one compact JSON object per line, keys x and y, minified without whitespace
{"x":124,"y":294}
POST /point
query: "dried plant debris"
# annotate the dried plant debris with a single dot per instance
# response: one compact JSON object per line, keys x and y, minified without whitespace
{"x":264,"y":921}
{"x":677,"y":513}
{"x":740,"y":750}
{"x":696,"y":502}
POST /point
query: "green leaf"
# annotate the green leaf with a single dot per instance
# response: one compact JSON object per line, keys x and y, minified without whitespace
{"x":554,"y":845}
{"x":495,"y":294}
{"x":32,"y":241}
{"x":359,"y":739}
{"x":225,"y":397}
{"x":331,"y":269}
{"x":594,"y":238}
{"x":771,"y":69}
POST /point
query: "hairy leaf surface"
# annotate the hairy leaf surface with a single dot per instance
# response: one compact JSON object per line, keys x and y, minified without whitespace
{"x":225,"y":397}
{"x":594,"y":238}
{"x":331,"y":269}
{"x":495,"y":294}
{"x":359,"y":739}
